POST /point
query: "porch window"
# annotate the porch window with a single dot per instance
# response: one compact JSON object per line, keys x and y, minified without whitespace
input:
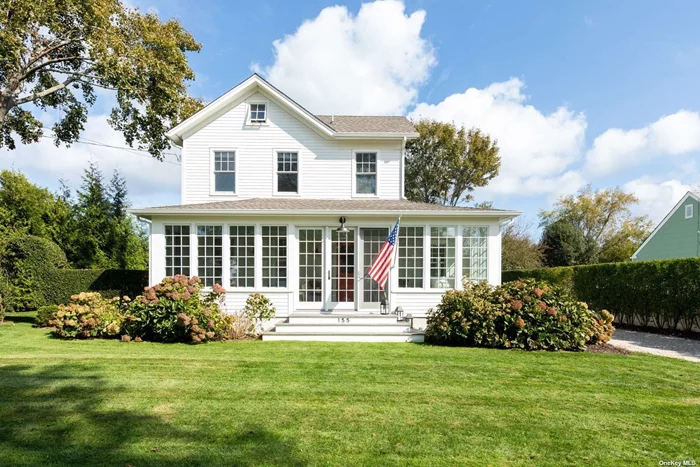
{"x":242,"y":239}
{"x":177,"y":250}
{"x":225,"y":171}
{"x":474,"y":253}
{"x":442,"y":257}
{"x":366,"y":173}
{"x":411,"y":257}
{"x":287,"y":172}
{"x":274,"y":256}
{"x":209,"y":254}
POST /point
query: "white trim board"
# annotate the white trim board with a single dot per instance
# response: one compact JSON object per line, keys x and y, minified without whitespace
{"x":689,"y":194}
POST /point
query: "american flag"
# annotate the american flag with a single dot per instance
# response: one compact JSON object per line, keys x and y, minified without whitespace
{"x":380,"y":267}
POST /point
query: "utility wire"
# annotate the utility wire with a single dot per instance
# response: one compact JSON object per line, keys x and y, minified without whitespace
{"x":121,"y":148}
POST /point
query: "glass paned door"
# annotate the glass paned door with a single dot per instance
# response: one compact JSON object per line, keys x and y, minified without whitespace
{"x":311,"y":266}
{"x":342,"y":270}
{"x":372,"y":241}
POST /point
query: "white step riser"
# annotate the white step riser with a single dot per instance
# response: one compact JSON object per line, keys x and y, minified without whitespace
{"x":341,"y":328}
{"x":277,"y":336}
{"x":342,"y":320}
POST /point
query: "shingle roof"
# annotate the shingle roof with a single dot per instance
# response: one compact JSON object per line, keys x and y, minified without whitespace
{"x":367,"y":124}
{"x":319,"y":205}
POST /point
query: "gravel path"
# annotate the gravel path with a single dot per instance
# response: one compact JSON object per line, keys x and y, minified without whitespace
{"x":657,"y":344}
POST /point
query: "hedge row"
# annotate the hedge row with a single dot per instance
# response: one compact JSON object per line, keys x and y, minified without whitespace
{"x":665,"y":294}
{"x":60,"y":284}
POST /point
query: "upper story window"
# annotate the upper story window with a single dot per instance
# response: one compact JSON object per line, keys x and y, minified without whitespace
{"x":287,"y":172}
{"x":688,"y":211}
{"x":258,"y":113}
{"x":366,"y":173}
{"x":225,"y":171}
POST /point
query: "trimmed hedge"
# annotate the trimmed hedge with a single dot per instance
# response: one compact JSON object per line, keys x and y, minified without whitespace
{"x":664,"y":294}
{"x":60,"y":284}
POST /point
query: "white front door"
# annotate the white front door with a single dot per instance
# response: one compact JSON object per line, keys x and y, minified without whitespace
{"x":369,"y":295}
{"x":342,"y":272}
{"x":311,"y":241}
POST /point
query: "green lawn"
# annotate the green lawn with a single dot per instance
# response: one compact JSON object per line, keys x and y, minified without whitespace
{"x":284,"y":403}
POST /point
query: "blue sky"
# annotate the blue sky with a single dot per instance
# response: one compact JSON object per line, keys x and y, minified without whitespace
{"x":576,"y":92}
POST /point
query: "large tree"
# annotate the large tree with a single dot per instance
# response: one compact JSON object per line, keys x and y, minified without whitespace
{"x":54,"y":53}
{"x":603,"y":220}
{"x":518,"y":250}
{"x":445,"y":163}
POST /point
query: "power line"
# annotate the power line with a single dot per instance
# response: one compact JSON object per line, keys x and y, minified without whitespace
{"x":121,"y":148}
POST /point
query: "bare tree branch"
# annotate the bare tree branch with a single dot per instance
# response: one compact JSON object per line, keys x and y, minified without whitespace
{"x":49,"y":62}
{"x":46,"y":92}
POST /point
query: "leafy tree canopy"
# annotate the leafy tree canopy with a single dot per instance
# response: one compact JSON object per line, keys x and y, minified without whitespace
{"x":445,"y":163}
{"x":602,"y":219}
{"x":518,"y":250}
{"x":56,"y":52}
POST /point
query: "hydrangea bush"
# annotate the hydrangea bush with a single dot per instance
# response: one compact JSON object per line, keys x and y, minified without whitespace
{"x":178,"y":310}
{"x":525,"y":314}
{"x":88,"y":314}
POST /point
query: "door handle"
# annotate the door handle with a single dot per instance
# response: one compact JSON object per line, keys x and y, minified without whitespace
{"x":329,"y":274}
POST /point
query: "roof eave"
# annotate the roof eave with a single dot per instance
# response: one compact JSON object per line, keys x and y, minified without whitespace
{"x":325,"y":212}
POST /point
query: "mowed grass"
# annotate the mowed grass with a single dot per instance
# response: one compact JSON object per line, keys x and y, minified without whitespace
{"x":65,"y":403}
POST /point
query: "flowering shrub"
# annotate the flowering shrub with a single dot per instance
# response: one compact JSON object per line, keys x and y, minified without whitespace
{"x":89,"y":315}
{"x":258,"y":309}
{"x":526,"y":314}
{"x":44,"y":314}
{"x":178,"y":310}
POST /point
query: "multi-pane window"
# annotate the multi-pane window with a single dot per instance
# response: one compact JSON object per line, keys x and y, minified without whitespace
{"x":366,"y":173}
{"x":209,"y":254}
{"x":258,"y":113}
{"x":287,"y":172}
{"x":242,"y":250}
{"x":411,"y":257}
{"x":474,"y":253}
{"x":442,"y":257}
{"x":177,"y":250}
{"x":225,"y":171}
{"x":274,"y":256}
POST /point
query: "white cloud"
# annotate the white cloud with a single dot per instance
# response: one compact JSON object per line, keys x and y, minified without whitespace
{"x":617,"y":150}
{"x":536,"y":149}
{"x":150,"y":182}
{"x":656,"y":199}
{"x":372,"y":63}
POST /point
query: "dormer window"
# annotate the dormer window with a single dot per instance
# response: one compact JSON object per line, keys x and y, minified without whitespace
{"x":258,"y":113}
{"x":688,"y":211}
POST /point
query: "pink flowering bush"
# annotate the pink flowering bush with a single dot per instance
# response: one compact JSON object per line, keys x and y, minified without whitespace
{"x":88,"y":314}
{"x":526,"y":314}
{"x":178,"y":310}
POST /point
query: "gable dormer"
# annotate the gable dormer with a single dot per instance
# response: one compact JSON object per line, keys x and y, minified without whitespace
{"x":256,"y":142}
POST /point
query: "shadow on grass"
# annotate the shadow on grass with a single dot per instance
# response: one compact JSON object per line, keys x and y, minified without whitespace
{"x":62,"y":416}
{"x":20,"y":318}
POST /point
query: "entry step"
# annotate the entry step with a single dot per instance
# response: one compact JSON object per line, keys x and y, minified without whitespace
{"x":417,"y":337}
{"x":343,"y":328}
{"x":345,"y":318}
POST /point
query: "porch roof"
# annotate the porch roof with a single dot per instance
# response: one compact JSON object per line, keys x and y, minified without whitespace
{"x":296,"y":206}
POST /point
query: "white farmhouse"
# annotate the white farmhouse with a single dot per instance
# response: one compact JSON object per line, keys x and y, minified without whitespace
{"x":294,"y":205}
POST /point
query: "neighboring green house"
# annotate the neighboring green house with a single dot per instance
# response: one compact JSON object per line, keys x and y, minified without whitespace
{"x":677,"y":236}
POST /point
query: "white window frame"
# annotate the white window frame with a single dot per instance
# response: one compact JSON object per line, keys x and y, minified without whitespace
{"x":224,"y":252}
{"x":250,"y":122}
{"x":457,"y":256}
{"x":689,"y":212}
{"x":212,"y":179}
{"x":227,"y":262}
{"x":461,"y":251}
{"x":355,"y":194}
{"x":422,"y":258}
{"x":262,"y":257}
{"x":182,"y":256}
{"x":275,"y":191}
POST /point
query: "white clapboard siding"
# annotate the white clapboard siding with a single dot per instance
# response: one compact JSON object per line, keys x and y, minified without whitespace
{"x":326,"y":166}
{"x":235,"y":301}
{"x":417,"y":304}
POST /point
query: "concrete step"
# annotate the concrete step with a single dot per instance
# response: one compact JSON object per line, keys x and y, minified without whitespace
{"x":342,"y":328}
{"x":340,"y":318}
{"x":417,"y":337}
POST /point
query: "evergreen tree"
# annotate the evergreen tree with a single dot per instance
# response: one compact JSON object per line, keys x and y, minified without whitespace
{"x":93,"y":210}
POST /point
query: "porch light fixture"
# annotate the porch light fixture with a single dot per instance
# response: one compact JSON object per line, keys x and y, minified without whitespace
{"x":342,"y":228}
{"x":383,"y":309}
{"x":399,"y":313}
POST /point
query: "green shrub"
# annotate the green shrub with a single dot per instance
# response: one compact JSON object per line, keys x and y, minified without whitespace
{"x":528,"y":314}
{"x":603,"y":328}
{"x":26,"y":259}
{"x":178,"y":310}
{"x":89,"y":315}
{"x":44,"y":314}
{"x":258,"y":309}
{"x":665,"y":294}
{"x":63,"y":283}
